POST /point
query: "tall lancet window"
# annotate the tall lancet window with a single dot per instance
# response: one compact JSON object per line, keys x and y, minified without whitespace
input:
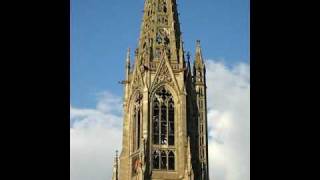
{"x":171,"y":121}
{"x":137,"y":113}
{"x":163,"y":130}
{"x":155,"y":119}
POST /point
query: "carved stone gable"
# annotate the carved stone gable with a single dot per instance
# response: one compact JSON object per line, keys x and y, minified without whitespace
{"x":164,"y":74}
{"x":137,"y":80}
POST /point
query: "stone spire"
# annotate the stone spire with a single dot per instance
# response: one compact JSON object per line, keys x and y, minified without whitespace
{"x":181,"y":54}
{"x":115,"y":173}
{"x":198,"y":59}
{"x":199,"y":66}
{"x":188,"y":62}
{"x":201,"y":102}
{"x":128,"y":64}
{"x":160,"y":28}
{"x":127,"y":76}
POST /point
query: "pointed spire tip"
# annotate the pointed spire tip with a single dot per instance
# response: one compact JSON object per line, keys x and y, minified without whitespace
{"x":198,"y":42}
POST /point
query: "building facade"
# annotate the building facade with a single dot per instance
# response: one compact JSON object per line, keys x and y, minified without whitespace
{"x":165,"y":134}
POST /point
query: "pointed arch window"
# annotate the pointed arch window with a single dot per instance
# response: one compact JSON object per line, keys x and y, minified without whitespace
{"x":163,"y":130}
{"x":137,"y":113}
{"x":163,"y":160}
{"x":171,"y":160}
{"x":156,"y":160}
{"x":163,"y":118}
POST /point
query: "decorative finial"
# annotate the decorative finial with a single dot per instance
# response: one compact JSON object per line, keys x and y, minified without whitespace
{"x":198,"y":42}
{"x":198,"y":49}
{"x":128,"y":54}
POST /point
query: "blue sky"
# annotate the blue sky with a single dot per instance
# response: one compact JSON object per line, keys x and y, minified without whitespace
{"x":102,"y":30}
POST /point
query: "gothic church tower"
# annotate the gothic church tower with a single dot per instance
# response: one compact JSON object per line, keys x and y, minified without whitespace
{"x":165,"y":104}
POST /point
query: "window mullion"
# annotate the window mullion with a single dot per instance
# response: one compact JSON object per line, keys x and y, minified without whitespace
{"x":136,"y":129}
{"x":167,"y":120}
{"x":160,"y":122}
{"x":159,"y":153}
{"x":139,"y":127}
{"x":167,"y":160}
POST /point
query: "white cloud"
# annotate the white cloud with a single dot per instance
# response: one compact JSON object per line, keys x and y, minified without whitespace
{"x":229,"y":121}
{"x":96,"y":133}
{"x":108,"y":103}
{"x":94,"y":137}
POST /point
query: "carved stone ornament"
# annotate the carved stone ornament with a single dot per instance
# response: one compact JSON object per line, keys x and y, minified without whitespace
{"x":163,"y":76}
{"x":137,"y":81}
{"x":142,"y":68}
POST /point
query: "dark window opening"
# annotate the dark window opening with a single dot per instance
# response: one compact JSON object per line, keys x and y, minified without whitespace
{"x":155,"y":139}
{"x":171,"y":161}
{"x":137,"y":123}
{"x":156,"y":160}
{"x":155,"y":118}
{"x":171,"y":140}
{"x":163,"y":160}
